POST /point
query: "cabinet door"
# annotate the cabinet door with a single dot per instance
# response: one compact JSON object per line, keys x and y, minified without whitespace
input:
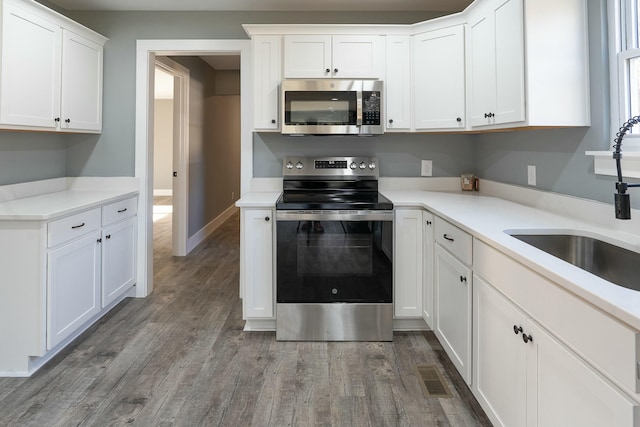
{"x":266,"y":80}
{"x":499,"y":361}
{"x":31,"y":51}
{"x":358,"y":57}
{"x":118,"y":260}
{"x":258,"y":263}
{"x":497,"y":63}
{"x":398,"y":83}
{"x":509,"y":49}
{"x":407,"y":299}
{"x":453,"y":310}
{"x":570,"y":393}
{"x":81,"y":107}
{"x":428,"y":248}
{"x":482,"y":66}
{"x":73,"y":287}
{"x":307,"y":57}
{"x":440,"y":79}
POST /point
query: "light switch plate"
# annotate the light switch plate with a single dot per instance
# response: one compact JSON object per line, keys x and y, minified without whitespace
{"x":427,"y":168}
{"x":531,"y":174}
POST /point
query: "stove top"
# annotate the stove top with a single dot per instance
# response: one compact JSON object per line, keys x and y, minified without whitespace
{"x":331,"y":183}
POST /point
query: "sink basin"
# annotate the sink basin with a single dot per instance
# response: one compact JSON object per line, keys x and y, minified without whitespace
{"x":610,"y":262}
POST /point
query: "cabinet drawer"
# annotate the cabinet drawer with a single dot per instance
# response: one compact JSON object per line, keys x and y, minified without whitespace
{"x":453,"y":239}
{"x":117,"y":211}
{"x":607,"y":344}
{"x":72,"y":227}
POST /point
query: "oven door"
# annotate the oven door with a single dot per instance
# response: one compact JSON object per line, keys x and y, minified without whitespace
{"x":334,"y":256}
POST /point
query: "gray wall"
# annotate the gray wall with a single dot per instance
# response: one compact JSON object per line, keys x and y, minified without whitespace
{"x":398,"y":154}
{"x":31,"y":156}
{"x":558,"y":154}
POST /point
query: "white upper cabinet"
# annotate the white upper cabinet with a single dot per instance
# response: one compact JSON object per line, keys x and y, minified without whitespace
{"x":528,"y":63}
{"x":51,"y":71}
{"x":338,"y":56}
{"x":439,"y":79}
{"x":267,"y":59}
{"x":497,"y":63}
{"x":81,"y":102}
{"x":398,"y":83}
{"x":31,"y":58}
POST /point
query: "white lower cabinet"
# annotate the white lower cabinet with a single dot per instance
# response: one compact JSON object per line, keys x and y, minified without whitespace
{"x":525,"y":377}
{"x":73,"y":287}
{"x":407,"y":297}
{"x":453,"y":309}
{"x":118,"y":259}
{"x":257,"y":264}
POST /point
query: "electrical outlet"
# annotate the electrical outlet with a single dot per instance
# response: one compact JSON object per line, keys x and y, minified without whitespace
{"x":427,"y":168}
{"x":531,"y":174}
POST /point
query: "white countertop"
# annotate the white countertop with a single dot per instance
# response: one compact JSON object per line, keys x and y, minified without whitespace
{"x":53,"y":205}
{"x":259,"y":199}
{"x":49,"y":199}
{"x":487,"y":218}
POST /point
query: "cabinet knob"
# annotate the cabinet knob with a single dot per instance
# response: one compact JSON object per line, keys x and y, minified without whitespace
{"x":67,"y":121}
{"x":526,"y":338}
{"x":428,"y":222}
{"x":273,"y":121}
{"x":458,"y":119}
{"x":99,"y":240}
{"x":390,"y":121}
{"x":57,"y":119}
{"x":328,"y":70}
{"x":335,"y":70}
{"x":266,"y":218}
{"x":108,"y":236}
{"x":517,"y":329}
{"x":463,"y":279}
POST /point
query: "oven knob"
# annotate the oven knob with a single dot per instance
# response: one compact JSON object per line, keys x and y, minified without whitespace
{"x":372,"y":165}
{"x":363,"y":165}
{"x":289,"y":165}
{"x":353,"y":165}
{"x":299,"y":165}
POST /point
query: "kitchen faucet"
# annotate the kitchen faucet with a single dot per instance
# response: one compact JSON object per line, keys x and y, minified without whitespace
{"x":622,"y":201}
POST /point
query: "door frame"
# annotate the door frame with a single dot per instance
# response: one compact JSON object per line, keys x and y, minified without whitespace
{"x":180,"y":218}
{"x":146,"y":51}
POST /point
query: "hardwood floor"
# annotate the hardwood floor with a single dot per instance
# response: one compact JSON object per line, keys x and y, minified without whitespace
{"x":180,"y":357}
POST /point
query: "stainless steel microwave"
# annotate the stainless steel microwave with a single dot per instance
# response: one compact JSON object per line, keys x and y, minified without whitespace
{"x":332,"y":107}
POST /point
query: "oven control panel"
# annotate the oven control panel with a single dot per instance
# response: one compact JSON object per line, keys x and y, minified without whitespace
{"x":330,"y":166}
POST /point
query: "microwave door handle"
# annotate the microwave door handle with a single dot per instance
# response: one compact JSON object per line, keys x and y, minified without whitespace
{"x":359,"y":108}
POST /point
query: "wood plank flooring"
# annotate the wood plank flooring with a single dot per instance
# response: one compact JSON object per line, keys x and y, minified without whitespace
{"x":180,"y":357}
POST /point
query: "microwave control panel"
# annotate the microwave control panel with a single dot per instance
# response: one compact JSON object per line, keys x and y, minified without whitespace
{"x":370,"y":107}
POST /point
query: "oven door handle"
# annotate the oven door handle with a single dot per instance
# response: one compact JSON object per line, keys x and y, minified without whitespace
{"x":331,"y":215}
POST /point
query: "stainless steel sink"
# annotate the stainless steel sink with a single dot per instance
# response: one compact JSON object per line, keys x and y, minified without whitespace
{"x":610,"y":262}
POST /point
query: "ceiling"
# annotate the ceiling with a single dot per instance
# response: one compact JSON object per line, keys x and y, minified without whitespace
{"x":267,"y":5}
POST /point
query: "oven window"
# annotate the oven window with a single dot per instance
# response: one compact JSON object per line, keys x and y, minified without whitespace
{"x":334,"y":261}
{"x":320,"y":108}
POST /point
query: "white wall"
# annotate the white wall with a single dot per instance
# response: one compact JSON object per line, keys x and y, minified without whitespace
{"x":163,"y":147}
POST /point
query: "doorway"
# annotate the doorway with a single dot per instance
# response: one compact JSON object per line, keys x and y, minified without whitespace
{"x":171,"y":145}
{"x":147,"y":53}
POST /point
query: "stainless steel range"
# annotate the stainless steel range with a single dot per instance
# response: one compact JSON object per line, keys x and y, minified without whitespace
{"x":334,"y":252}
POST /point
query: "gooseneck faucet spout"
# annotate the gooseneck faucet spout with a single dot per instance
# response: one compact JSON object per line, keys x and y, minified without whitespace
{"x":622,"y":201}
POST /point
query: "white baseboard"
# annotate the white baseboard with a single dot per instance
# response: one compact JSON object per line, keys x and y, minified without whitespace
{"x":205,"y":231}
{"x":163,"y":192}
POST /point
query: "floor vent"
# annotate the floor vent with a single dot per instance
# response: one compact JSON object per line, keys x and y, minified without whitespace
{"x":432,"y":382}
